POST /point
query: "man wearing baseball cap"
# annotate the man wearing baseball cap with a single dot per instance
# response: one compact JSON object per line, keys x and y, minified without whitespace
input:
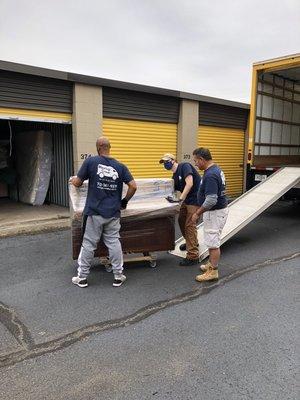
{"x":187,"y":181}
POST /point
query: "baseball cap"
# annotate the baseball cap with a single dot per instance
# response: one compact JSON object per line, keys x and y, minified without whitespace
{"x":167,"y":157}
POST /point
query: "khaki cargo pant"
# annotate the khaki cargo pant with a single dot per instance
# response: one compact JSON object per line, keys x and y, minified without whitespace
{"x":189,"y":230}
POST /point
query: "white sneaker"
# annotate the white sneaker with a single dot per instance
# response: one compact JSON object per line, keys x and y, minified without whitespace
{"x":81,"y":282}
{"x":119,"y":279}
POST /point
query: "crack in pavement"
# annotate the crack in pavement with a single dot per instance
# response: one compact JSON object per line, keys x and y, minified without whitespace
{"x":35,"y":350}
{"x":15,"y":326}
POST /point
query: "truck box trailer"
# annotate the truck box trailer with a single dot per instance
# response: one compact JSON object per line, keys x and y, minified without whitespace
{"x":274,"y":125}
{"x":273,"y":145}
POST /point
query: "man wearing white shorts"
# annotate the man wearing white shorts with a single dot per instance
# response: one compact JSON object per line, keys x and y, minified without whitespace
{"x":213,"y":204}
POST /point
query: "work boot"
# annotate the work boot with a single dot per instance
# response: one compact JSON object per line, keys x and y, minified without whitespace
{"x":211,"y":274}
{"x":204,"y":267}
{"x":189,"y":261}
{"x":182,"y":247}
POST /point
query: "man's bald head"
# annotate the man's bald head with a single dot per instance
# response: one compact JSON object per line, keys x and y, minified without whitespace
{"x":103,"y":145}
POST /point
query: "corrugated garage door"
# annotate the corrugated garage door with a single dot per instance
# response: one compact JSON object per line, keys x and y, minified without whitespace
{"x":127,"y":104}
{"x":35,"y":115}
{"x":222,"y":130}
{"x":141,"y":127}
{"x":227,"y":148}
{"x":140,"y":144}
{"x":220,"y":115}
{"x":25,"y":97}
{"x":25,"y":91}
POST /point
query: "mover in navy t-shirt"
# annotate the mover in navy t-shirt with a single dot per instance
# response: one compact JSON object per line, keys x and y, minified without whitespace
{"x":183,"y":170}
{"x":186,"y":180}
{"x":106,"y":177}
{"x":213,"y":183}
{"x":102,"y":210}
{"x":213,"y":207}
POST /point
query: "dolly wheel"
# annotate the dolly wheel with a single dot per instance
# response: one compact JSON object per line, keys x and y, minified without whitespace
{"x":153,"y":263}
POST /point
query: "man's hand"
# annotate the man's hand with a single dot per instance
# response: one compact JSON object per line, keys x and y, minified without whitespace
{"x":74,"y":180}
{"x":195,"y":218}
{"x":124,"y":203}
{"x":172,"y":199}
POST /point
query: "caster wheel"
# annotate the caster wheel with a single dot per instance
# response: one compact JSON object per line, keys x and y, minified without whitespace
{"x":153,"y":264}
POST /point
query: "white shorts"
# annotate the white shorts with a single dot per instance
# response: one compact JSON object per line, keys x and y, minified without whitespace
{"x":214,"y":222}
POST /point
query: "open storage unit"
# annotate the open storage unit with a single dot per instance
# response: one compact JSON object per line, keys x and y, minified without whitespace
{"x":35,"y":157}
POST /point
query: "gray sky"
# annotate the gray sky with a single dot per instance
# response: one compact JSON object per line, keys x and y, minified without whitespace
{"x":204,"y":47}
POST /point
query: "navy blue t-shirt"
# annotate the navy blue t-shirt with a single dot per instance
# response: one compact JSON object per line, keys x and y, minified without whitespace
{"x":106,"y":176}
{"x":213,"y":182}
{"x":183,"y":170}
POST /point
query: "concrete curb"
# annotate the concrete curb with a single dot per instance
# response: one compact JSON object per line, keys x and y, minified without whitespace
{"x":35,"y":227}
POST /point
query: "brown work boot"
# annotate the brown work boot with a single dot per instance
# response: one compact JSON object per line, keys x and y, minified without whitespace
{"x":204,"y":267}
{"x":211,"y":274}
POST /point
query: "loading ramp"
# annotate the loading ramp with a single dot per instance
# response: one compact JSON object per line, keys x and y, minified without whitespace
{"x":249,"y":206}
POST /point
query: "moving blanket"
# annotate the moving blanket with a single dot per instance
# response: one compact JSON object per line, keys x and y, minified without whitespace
{"x":148,"y":202}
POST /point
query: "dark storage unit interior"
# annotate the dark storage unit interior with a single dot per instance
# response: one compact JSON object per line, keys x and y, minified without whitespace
{"x":61,"y":159}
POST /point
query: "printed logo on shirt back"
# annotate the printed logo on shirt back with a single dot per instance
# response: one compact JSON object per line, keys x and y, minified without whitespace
{"x":107,"y":171}
{"x":107,"y":177}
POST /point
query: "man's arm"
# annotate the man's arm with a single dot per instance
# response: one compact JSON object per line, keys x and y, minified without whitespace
{"x":211,"y":198}
{"x":189,"y":181}
{"x":82,"y":174}
{"x":209,"y":202}
{"x":130,"y":192}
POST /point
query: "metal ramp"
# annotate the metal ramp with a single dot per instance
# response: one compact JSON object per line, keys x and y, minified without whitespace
{"x":248,"y":206}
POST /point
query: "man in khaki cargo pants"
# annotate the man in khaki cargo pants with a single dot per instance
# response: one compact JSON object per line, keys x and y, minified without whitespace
{"x":186,"y":181}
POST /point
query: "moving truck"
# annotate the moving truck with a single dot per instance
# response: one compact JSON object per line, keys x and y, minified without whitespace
{"x":274,"y":124}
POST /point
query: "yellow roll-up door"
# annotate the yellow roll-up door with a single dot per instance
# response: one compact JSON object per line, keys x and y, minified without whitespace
{"x":140,"y":144}
{"x":227,"y":148}
{"x":35,"y":115}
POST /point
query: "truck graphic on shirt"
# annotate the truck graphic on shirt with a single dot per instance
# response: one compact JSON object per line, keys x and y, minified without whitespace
{"x":107,"y":171}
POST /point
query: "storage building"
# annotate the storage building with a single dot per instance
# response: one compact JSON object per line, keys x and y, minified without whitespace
{"x":59,"y":115}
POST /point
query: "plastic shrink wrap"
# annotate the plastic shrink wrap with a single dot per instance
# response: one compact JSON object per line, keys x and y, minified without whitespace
{"x":148,"y":202}
{"x":34,"y":159}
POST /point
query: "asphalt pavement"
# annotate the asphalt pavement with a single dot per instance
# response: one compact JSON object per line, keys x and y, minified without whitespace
{"x":161,"y":335}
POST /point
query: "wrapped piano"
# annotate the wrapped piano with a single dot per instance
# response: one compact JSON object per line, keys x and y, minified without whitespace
{"x":147,"y":224}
